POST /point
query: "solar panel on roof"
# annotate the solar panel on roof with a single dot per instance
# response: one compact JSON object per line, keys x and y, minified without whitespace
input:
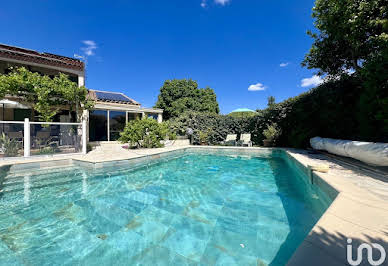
{"x":111,"y":96}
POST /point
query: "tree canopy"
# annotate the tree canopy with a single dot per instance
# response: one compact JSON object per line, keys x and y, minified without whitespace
{"x":351,"y":33}
{"x":44,"y":94}
{"x":178,"y":96}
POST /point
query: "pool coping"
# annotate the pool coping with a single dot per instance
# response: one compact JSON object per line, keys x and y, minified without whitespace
{"x":354,"y":213}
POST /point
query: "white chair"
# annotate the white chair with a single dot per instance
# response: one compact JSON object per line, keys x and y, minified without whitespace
{"x":245,"y":140}
{"x":230,"y":139}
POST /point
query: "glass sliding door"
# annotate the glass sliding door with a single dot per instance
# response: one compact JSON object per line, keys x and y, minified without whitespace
{"x":98,"y":125}
{"x":116,"y":124}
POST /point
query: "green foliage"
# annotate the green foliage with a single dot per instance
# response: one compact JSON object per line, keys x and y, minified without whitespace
{"x":204,"y":136}
{"x":271,"y":101}
{"x":9,"y":146}
{"x":89,"y":147}
{"x":215,"y":126}
{"x":351,"y":32}
{"x":44,"y":94}
{"x":47,"y":150}
{"x":146,"y":133}
{"x":272,"y":132}
{"x":332,"y":110}
{"x":373,"y":100}
{"x":178,"y":96}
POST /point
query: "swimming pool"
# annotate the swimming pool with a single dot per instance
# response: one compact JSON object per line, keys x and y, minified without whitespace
{"x":197,"y":207}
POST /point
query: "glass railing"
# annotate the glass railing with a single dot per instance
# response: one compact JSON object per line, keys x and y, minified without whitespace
{"x":41,"y":138}
{"x":49,"y":139}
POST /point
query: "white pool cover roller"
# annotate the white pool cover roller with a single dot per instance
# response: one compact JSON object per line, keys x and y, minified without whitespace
{"x":369,"y":152}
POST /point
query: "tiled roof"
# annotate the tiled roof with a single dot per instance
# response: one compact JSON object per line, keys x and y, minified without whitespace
{"x":32,"y":56}
{"x":111,"y":97}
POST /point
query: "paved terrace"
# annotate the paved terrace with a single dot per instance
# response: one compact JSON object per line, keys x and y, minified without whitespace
{"x":359,"y":212}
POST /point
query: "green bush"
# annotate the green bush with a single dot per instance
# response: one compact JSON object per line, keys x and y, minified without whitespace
{"x":373,"y":99}
{"x":272,"y":132}
{"x":146,"y":133}
{"x":9,"y":146}
{"x":336,"y":109}
{"x":48,"y":150}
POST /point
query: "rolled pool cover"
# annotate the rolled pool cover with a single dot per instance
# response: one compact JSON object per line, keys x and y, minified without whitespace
{"x":373,"y":153}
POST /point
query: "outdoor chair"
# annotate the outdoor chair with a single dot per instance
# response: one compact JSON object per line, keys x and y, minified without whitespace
{"x":230,"y":140}
{"x":245,"y":140}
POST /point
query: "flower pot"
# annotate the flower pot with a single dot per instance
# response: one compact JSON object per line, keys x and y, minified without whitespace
{"x":267,"y":143}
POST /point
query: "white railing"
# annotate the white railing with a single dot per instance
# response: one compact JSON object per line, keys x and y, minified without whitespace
{"x":63,"y":138}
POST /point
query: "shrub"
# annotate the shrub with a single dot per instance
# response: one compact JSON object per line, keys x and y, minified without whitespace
{"x":204,"y":137}
{"x":146,"y":133}
{"x":47,"y":150}
{"x":9,"y":146}
{"x":271,"y":133}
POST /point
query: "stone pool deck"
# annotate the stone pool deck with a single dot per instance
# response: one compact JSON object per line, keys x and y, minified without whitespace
{"x":359,"y":211}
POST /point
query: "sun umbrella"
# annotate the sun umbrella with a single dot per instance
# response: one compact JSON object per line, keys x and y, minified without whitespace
{"x":241,"y":110}
{"x":12,"y":104}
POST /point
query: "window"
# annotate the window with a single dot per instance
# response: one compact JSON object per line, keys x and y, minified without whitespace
{"x":116,"y":124}
{"x":98,"y":125}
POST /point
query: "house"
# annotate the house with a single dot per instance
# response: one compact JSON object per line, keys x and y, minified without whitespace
{"x":111,"y":112}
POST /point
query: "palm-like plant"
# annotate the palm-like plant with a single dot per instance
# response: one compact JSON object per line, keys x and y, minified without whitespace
{"x":9,"y":146}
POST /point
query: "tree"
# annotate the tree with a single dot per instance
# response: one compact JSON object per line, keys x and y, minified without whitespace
{"x":44,"y":94}
{"x":351,"y":32}
{"x":177,"y":96}
{"x":271,"y":101}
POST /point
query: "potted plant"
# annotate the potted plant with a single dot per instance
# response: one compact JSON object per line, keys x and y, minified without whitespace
{"x":271,"y":134}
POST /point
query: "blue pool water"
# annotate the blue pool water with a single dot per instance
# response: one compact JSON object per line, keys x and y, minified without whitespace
{"x":195,"y":209}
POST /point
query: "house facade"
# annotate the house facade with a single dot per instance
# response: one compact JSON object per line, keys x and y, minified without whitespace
{"x":111,"y":112}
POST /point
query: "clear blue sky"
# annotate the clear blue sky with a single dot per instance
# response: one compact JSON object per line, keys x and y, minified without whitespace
{"x":134,"y":46}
